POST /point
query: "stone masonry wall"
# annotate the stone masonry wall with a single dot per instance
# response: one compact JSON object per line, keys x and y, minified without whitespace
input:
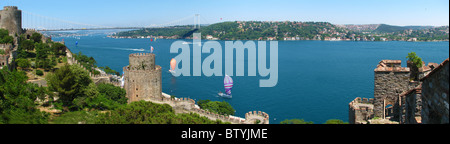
{"x":11,"y":19}
{"x":388,"y":85}
{"x":142,"y":78}
{"x":411,"y":106}
{"x":360,"y":110}
{"x":435,"y":108}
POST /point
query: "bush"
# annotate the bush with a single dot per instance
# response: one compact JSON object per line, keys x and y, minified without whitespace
{"x":296,"y":121}
{"x":39,"y":73}
{"x":335,"y":121}
{"x":143,"y":112}
{"x":223,"y":108}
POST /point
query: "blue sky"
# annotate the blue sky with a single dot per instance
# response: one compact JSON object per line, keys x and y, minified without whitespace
{"x":147,"y":12}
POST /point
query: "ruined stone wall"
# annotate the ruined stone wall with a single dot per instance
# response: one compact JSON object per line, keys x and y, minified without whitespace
{"x":11,"y":19}
{"x":4,"y":58}
{"x":187,"y":105}
{"x":360,"y":110}
{"x":435,"y":108}
{"x":142,"y":78}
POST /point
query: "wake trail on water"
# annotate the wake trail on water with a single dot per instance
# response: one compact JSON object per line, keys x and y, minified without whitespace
{"x":116,"y":48}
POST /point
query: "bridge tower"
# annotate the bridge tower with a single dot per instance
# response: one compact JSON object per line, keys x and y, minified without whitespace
{"x":197,"y":21}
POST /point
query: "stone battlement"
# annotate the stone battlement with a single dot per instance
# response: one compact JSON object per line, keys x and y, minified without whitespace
{"x":141,"y":54}
{"x":6,"y":46}
{"x":127,"y":69}
{"x":12,"y":7}
{"x":142,"y":61}
{"x":188,"y":105}
{"x":391,"y":66}
{"x":361,"y":110}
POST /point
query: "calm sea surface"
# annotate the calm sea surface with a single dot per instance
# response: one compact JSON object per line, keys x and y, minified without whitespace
{"x":316,"y":80}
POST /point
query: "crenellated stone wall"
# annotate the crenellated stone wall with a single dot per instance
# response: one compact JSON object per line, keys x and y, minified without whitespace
{"x":360,"y":110}
{"x":187,"y":105}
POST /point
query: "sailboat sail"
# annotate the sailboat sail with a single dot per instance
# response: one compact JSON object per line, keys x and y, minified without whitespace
{"x":173,"y":64}
{"x":228,"y":84}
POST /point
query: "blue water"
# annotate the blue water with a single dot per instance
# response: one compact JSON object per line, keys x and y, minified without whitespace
{"x":317,"y":79}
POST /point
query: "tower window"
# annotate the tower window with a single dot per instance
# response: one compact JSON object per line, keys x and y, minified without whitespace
{"x":137,"y":96}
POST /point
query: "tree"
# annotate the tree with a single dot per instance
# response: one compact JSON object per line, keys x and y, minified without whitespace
{"x":223,"y":108}
{"x":58,"y":49}
{"x":4,"y":37}
{"x":36,"y":37}
{"x":416,"y":64}
{"x":23,"y":63}
{"x":27,"y":45}
{"x":17,"y":99}
{"x":69,"y":81}
{"x":415,"y":59}
{"x":143,"y":112}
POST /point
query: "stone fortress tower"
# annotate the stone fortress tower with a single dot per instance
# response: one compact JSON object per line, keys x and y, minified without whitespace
{"x":11,"y":19}
{"x":142,"y":78}
{"x":405,"y":95}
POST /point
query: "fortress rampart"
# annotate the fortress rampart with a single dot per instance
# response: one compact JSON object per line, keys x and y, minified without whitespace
{"x":360,"y":110}
{"x":11,"y":19}
{"x":142,"y":78}
{"x":187,"y":105}
{"x":399,"y":96}
{"x":143,"y":82}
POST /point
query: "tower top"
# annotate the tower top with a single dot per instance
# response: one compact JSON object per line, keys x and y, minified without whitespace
{"x":8,"y":7}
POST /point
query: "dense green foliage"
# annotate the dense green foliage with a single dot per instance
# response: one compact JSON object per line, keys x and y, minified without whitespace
{"x":17,"y":99}
{"x":412,"y":57}
{"x":223,"y":108}
{"x":77,"y":117}
{"x":4,"y":37}
{"x":77,"y":91}
{"x":36,"y":37}
{"x":256,"y":30}
{"x":149,"y":113}
{"x":296,"y":121}
{"x":335,"y":121}
{"x":70,"y":81}
{"x":417,"y":63}
{"x":178,"y":32}
{"x":109,"y":70}
{"x":43,"y":55}
{"x":302,"y":121}
{"x":87,"y":62}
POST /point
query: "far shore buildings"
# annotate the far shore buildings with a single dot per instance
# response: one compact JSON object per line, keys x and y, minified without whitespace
{"x":400,"y":99}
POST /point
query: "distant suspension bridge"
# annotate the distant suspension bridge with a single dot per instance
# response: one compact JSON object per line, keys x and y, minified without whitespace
{"x":45,"y":23}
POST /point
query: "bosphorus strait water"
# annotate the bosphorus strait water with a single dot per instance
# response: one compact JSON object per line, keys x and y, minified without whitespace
{"x":316,"y":79}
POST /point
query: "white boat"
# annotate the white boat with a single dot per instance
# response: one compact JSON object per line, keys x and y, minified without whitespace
{"x":186,"y":43}
{"x":224,"y":95}
{"x":172,"y":72}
